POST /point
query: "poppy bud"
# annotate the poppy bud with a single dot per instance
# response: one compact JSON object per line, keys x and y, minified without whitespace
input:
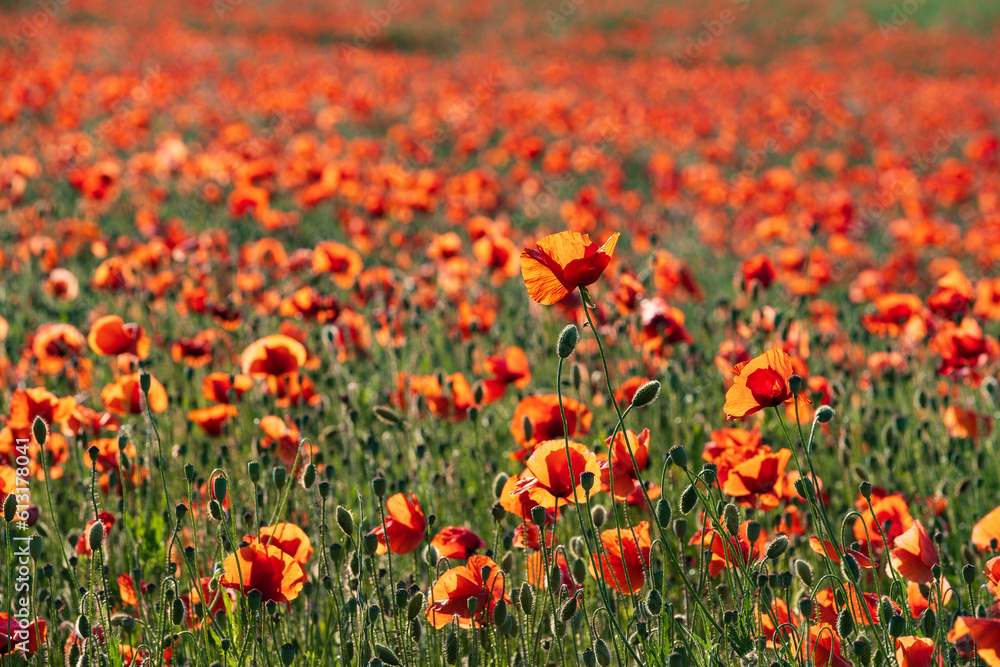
{"x":577,"y":375}
{"x":95,"y":538}
{"x":93,"y":453}
{"x":588,"y":657}
{"x":845,"y":623}
{"x":472,"y":604}
{"x":679,"y":456}
{"x":568,"y":610}
{"x":253,"y":471}
{"x":599,"y":514}
{"x":675,"y":659}
{"x":663,"y":512}
{"x":35,"y":547}
{"x":345,"y":520}
{"x":500,"y":612}
{"x":538,"y":515}
{"x":215,"y":509}
{"x":373,"y":613}
{"x":929,"y":622}
{"x":969,"y":573}
{"x":219,"y":487}
{"x":710,"y":473}
{"x":654,"y":602}
{"x":528,"y":427}
{"x":83,"y":626}
{"x":180,"y":511}
{"x":416,"y":630}
{"x":579,"y":571}
{"x":370,"y":543}
{"x":287,"y":654}
{"x":732,"y":516}
{"x":849,"y":568}
{"x":383,"y":653}
{"x":688,"y":499}
{"x":308,"y":476}
{"x":324,"y":489}
{"x":144,"y":382}
{"x":862,"y":650}
{"x":414,"y":606}
{"x":646,"y":394}
{"x":681,"y":528}
{"x":804,"y":487}
{"x":568,"y":338}
{"x":279,"y":476}
{"x":10,"y":508}
{"x":806,"y":607}
{"x":177,"y":611}
{"x":602,"y":652}
{"x":498,"y":512}
{"x":40,"y":430}
{"x":526,"y":597}
{"x":777,"y":546}
{"x":188,"y":468}
{"x":795,"y":383}
{"x":507,"y":562}
{"x":451,"y":648}
{"x":378,"y":487}
{"x":825,"y":414}
{"x":499,"y":482}
{"x":936,"y":571}
{"x":753,"y":532}
{"x":587,"y":480}
{"x":885,"y":610}
{"x":866,"y":490}
{"x":896,"y":626}
{"x":431,"y":555}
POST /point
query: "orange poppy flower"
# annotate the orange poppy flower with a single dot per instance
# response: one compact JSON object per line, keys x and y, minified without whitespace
{"x":111,"y":336}
{"x":985,"y":632}
{"x":452,"y":591}
{"x":55,"y":344}
{"x":537,"y":575}
{"x":823,"y":647}
{"x":625,"y":558}
{"x":915,"y":652}
{"x":529,"y":535}
{"x":127,"y":591}
{"x":561,"y":263}
{"x":548,"y":481}
{"x":14,"y":633}
{"x":890,"y":508}
{"x":285,"y":438}
{"x":124,"y":396}
{"x":213,"y":418}
{"x":217,"y":387}
{"x":760,"y":383}
{"x":964,"y":348}
{"x":732,"y":552}
{"x":662,"y":325}
{"x":457,"y":543}
{"x":27,"y":404}
{"x":897,"y":314}
{"x":826,"y":546}
{"x":546,"y":422}
{"x":914,"y":554}
{"x":273,"y":355}
{"x":986,"y":530}
{"x":756,"y":482}
{"x":625,"y":472}
{"x":195,"y":352}
{"x":953,"y":295}
{"x":267,"y":569}
{"x":62,"y":284}
{"x":521,"y":504}
{"x":404,"y":524}
{"x":511,"y":367}
{"x":288,"y":537}
{"x":84,"y":419}
{"x":451,"y":402}
{"x":342,"y":263}
{"x":758,"y":270}
{"x":987,"y":304}
{"x":292,"y":389}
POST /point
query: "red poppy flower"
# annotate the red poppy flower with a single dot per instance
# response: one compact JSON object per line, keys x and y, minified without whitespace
{"x":625,"y":558}
{"x":267,"y":569}
{"x":111,"y":336}
{"x":216,"y":387}
{"x":288,"y":537}
{"x":16,"y":635}
{"x":273,"y":355}
{"x":986,"y":530}
{"x":561,"y":263}
{"x":547,"y":480}
{"x":404,"y":524}
{"x":625,"y":472}
{"x":452,"y":591}
{"x":511,"y":367}
{"x":760,"y":383}
{"x":125,"y":395}
{"x":542,"y":412}
{"x":914,"y":554}
{"x":457,"y":543}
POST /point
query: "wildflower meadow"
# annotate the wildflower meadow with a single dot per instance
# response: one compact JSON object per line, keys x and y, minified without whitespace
{"x":578,"y":333}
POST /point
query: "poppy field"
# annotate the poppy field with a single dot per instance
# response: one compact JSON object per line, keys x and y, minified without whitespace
{"x":408,"y":333}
